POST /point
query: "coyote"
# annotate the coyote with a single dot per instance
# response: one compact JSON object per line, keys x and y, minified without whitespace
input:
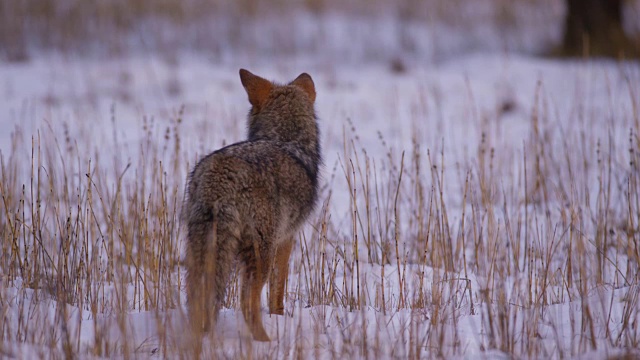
{"x":246,"y":201}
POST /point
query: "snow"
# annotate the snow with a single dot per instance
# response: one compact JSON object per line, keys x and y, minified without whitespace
{"x":116,"y":111}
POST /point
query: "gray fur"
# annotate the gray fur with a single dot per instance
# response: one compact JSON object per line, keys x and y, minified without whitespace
{"x":243,"y":201}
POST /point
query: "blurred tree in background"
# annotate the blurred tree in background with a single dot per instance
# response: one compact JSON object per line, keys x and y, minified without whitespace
{"x":360,"y":30}
{"x":594,"y":27}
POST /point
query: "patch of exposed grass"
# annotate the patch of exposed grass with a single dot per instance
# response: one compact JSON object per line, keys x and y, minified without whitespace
{"x":530,"y":255}
{"x":120,"y":27}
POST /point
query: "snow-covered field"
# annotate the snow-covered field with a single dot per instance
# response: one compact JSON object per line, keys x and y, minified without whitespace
{"x":485,"y":205}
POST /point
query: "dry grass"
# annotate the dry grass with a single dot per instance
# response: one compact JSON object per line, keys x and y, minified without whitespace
{"x":541,"y":253}
{"x":414,"y":251}
{"x":121,"y":27}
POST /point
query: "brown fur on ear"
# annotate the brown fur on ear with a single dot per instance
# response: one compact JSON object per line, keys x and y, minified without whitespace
{"x":305,"y":82}
{"x":257,"y":88}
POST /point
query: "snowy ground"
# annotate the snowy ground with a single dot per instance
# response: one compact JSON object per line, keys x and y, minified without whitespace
{"x":534,"y":158}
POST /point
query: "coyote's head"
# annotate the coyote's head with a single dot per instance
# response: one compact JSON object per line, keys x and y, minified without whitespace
{"x":282,"y":113}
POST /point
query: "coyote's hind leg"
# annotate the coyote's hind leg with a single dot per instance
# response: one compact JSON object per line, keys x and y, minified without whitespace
{"x":258,"y":260}
{"x":278,"y":277}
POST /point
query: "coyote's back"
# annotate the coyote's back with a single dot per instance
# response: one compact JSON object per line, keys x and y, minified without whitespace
{"x":246,"y":201}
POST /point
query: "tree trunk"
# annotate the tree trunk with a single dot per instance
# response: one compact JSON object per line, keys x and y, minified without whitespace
{"x":594,"y":28}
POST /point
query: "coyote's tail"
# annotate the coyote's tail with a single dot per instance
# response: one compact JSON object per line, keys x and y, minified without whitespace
{"x":212,"y":241}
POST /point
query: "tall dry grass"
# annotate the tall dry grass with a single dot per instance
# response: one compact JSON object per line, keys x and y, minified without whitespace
{"x":124,"y":27}
{"x":531,"y":256}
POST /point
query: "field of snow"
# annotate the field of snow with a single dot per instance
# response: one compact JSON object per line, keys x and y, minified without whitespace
{"x":483,"y":206}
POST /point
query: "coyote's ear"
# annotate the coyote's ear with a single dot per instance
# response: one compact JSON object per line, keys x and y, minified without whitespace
{"x":305,"y":82}
{"x":257,"y":88}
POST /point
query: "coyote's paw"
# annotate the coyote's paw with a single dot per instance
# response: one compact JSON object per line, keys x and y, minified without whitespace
{"x":277,"y":311}
{"x":260,"y":335}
